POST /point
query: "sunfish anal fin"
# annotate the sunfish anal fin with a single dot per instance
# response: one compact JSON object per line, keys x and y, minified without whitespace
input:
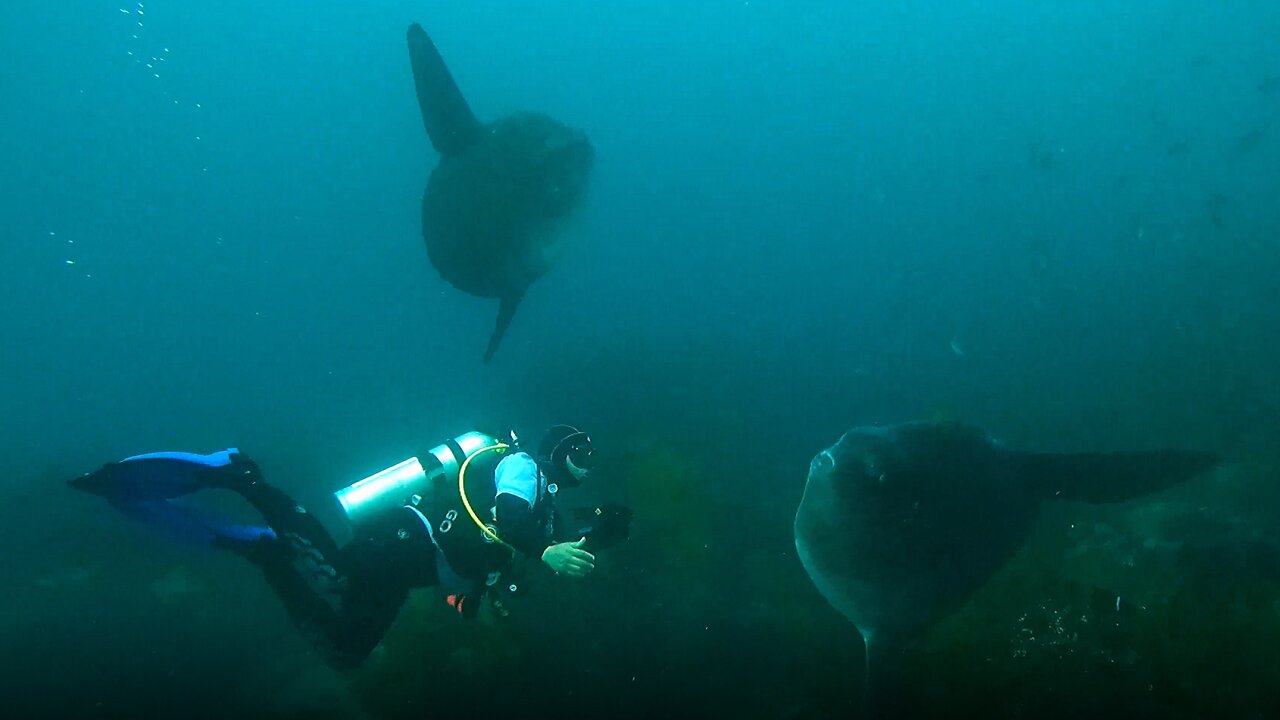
{"x":886,"y":684}
{"x":506,"y":311}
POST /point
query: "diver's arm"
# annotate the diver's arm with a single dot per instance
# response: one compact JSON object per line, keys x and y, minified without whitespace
{"x":523,"y":532}
{"x":518,"y":526}
{"x":516,"y":478}
{"x":517,"y":484}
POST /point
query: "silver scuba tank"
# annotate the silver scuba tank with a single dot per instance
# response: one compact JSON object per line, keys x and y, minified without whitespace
{"x":407,"y":482}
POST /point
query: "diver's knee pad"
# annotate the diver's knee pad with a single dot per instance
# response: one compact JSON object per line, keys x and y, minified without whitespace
{"x":316,"y":571}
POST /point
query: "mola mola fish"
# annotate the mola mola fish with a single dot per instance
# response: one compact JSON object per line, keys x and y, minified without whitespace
{"x":496,"y":204}
{"x":900,"y":524}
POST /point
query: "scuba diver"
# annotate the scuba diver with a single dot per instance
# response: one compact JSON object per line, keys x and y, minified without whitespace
{"x":456,"y":519}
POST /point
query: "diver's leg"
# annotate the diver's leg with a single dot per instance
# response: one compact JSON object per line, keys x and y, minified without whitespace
{"x":286,"y":517}
{"x":342,"y":599}
{"x":312,"y":586}
{"x":382,"y":565}
{"x":300,"y":561}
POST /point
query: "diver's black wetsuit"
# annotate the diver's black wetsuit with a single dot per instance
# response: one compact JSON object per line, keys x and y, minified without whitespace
{"x":344,"y":599}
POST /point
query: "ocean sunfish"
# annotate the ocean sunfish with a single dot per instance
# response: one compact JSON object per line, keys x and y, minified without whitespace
{"x":496,"y":204}
{"x":900,"y":524}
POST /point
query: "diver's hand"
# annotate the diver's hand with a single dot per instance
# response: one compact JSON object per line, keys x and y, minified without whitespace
{"x":569,"y":558}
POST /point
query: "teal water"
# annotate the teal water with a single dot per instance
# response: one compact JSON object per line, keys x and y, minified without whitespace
{"x":1056,"y":221}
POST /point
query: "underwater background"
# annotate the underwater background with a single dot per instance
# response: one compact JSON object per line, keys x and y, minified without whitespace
{"x":1056,"y":220}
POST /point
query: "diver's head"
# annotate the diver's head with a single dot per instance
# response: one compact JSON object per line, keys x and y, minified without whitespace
{"x":565,"y":455}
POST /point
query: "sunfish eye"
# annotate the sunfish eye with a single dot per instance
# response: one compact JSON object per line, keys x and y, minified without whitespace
{"x":872,"y":468}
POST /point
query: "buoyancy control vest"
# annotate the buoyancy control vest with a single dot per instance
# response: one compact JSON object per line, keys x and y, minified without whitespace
{"x":454,"y":489}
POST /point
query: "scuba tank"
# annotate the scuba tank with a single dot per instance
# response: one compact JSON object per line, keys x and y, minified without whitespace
{"x":453,"y":488}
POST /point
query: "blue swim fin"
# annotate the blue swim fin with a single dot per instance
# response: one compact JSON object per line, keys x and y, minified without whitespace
{"x":140,"y":487}
{"x":163,"y":476}
{"x":190,"y":526}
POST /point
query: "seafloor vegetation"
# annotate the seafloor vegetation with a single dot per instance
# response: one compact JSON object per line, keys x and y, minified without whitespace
{"x":1168,"y":607}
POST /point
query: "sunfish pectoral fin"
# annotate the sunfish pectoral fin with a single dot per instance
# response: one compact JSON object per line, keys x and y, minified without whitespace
{"x":445,"y":113}
{"x":1111,"y":477}
{"x":506,"y":311}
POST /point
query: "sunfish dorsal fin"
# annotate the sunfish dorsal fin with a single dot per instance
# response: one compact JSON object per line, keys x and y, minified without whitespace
{"x":445,"y":113}
{"x":506,"y":310}
{"x":1110,"y":477}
